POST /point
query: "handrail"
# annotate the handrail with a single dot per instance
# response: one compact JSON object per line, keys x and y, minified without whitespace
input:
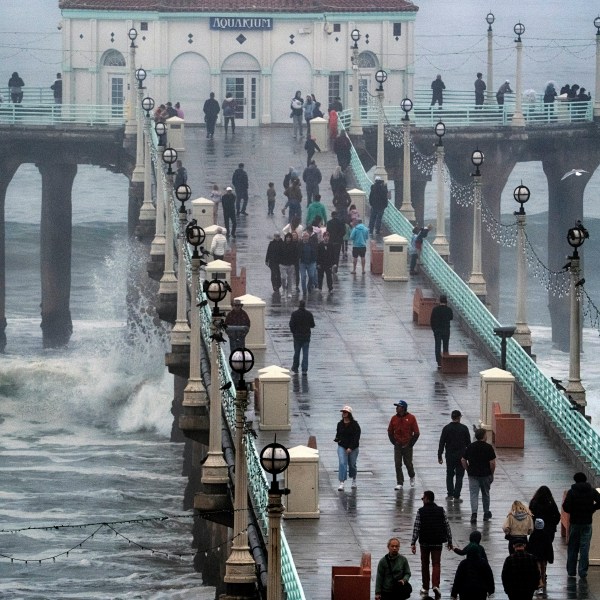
{"x":61,"y":114}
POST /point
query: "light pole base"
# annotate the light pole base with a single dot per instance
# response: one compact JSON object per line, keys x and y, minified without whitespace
{"x":355,"y":129}
{"x":518,"y":120}
{"x":180,"y":334}
{"x":576,"y":392}
{"x":477,"y":284}
{"x":522,"y":336}
{"x":214,"y":469}
{"x":138,"y":174}
{"x":408,"y":211}
{"x":240,"y":567}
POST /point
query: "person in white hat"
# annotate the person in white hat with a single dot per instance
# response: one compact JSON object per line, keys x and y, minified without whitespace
{"x":347,"y":437}
{"x":228,"y":204}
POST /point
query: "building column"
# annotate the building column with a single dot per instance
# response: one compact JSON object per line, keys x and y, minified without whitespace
{"x":55,"y":249}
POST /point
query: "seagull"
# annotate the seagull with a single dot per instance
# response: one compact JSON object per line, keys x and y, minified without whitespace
{"x":557,"y":383}
{"x":576,"y":172}
{"x":580,"y":282}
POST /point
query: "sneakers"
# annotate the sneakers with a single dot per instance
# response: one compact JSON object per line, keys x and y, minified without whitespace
{"x":412,"y":479}
{"x":437,"y":593}
{"x":450,"y":498}
{"x":459,"y":500}
{"x":354,"y":483}
{"x":424,"y":592}
{"x":487,"y":516}
{"x":474,"y":518}
{"x":399,"y":487}
{"x":341,"y":486}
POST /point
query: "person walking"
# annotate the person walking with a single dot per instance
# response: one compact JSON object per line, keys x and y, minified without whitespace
{"x":454,"y":439}
{"x":238,"y":325}
{"x":403,"y":433}
{"x":337,"y":181}
{"x":415,"y":246}
{"x":432,"y":530}
{"x":316,"y":209}
{"x":211,"y":111}
{"x":437,"y":91}
{"x":581,"y":502}
{"x":240,"y":183}
{"x":540,"y":546}
{"x":312,"y":177}
{"x":272,"y":260}
{"x":336,"y":230}
{"x":294,"y":200}
{"x":296,"y":107}
{"x":228,"y":204}
{"x":518,"y":524}
{"x":475,"y":544}
{"x":311,"y":147}
{"x":15,"y":88}
{"x":301,"y":323}
{"x":308,"y":263}
{"x":359,"y":237}
{"x":479,"y":460}
{"x":181,"y":175}
{"x":342,"y":147}
{"x":308,"y":109}
{"x":502,"y":90}
{"x":347,"y":436}
{"x":325,"y":262}
{"x":520,"y":574}
{"x":441,"y":315}
{"x":378,"y":200}
{"x":271,"y":194}
{"x":393,"y":574}
{"x":229,"y":107}
{"x":218,"y":246}
{"x":473,"y":579}
{"x":543,"y":506}
{"x":480,"y":88}
{"x":287,"y":264}
{"x":57,"y":88}
{"x":215,"y":196}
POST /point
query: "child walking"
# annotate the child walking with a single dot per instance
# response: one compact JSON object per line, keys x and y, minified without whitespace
{"x":215,"y":196}
{"x":271,"y":193}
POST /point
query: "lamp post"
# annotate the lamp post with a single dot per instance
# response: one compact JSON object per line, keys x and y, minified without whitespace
{"x":240,"y":566}
{"x":147,"y":211}
{"x":180,"y":334}
{"x":275,"y":459}
{"x":138,"y":173}
{"x":130,"y":125}
{"x":597,"y":96}
{"x":517,"y":118}
{"x":406,"y":207}
{"x":440,"y":243}
{"x":157,"y":247}
{"x":522,"y":333}
{"x":194,"y":393}
{"x":214,"y":470}
{"x":490,"y":57}
{"x":381,"y":76}
{"x":161,"y":132}
{"x":355,"y":123}
{"x":476,"y":281}
{"x":168,"y":281}
{"x":575,"y":237}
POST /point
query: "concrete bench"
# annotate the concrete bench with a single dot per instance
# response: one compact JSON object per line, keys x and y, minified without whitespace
{"x":508,"y":429}
{"x":352,"y":583}
{"x":423,"y":302}
{"x":376,"y":258}
{"x":455,"y":363}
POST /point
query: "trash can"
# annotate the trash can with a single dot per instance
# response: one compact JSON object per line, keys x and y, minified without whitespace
{"x":319,"y":130}
{"x":203,"y":212}
{"x":274,"y":386}
{"x":395,"y":266}
{"x":496,"y":385}
{"x":302,"y":479}
{"x":175,"y":133}
{"x":358,"y":198}
{"x":255,"y":307}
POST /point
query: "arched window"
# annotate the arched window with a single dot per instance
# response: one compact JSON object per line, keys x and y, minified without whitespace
{"x":113,"y":58}
{"x":367,"y":60}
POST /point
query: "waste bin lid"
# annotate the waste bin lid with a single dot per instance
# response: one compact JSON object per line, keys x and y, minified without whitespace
{"x":394,"y":239}
{"x":304,"y":452}
{"x":496,"y":374}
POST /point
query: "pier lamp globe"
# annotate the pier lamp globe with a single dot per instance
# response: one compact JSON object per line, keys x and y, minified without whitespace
{"x":132,"y":35}
{"x":490,"y":20}
{"x":241,"y":362}
{"x":169,"y":157}
{"x":477,"y":159}
{"x":440,"y":131}
{"x":519,"y":30}
{"x":381,"y":77}
{"x":195,"y":236}
{"x":576,"y":236}
{"x":140,"y":75}
{"x":406,"y":105}
{"x":597,"y":24}
{"x":355,"y":36}
{"x":275,"y":459}
{"x":148,"y":105}
{"x":160,"y":128}
{"x":183,"y":193}
{"x":215,"y":290}
{"x":521,"y":195}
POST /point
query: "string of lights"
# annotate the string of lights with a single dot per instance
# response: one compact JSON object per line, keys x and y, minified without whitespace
{"x":589,"y":310}
{"x":555,"y":282}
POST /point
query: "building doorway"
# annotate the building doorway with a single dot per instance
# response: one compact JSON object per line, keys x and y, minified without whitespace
{"x":243,"y":87}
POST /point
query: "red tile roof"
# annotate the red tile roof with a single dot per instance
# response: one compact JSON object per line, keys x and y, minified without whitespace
{"x":226,"y":6}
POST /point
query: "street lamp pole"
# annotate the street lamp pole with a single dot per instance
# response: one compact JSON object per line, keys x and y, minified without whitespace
{"x":157,"y":247}
{"x":406,"y":208}
{"x":522,"y":333}
{"x":355,"y":123}
{"x":440,"y":243}
{"x":168,"y":281}
{"x":490,"y":58}
{"x":138,"y":173}
{"x":575,"y":237}
{"x":476,"y":280}
{"x":517,"y":119}
{"x":240,"y":566}
{"x":597,"y":96}
{"x":214,"y":470}
{"x":381,"y":76}
{"x":130,"y":125}
{"x":275,"y":459}
{"x":147,"y":210}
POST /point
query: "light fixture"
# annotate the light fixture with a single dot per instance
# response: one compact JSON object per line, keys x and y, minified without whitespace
{"x":477,"y":159}
{"x":241,"y":361}
{"x":169,"y":156}
{"x":576,"y":236}
{"x":521,"y":195}
{"x":195,"y":236}
{"x":406,"y":105}
{"x":381,"y":77}
{"x":140,"y":75}
{"x":490,"y":19}
{"x":597,"y":24}
{"x":274,"y":459}
{"x":355,"y":35}
{"x":160,"y":128}
{"x":440,"y":131}
{"x":215,"y":290}
{"x":519,"y":30}
{"x":183,"y":193}
{"x":132,"y":35}
{"x":148,"y":105}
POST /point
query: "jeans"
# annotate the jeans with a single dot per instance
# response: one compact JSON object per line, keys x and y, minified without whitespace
{"x":288,"y":276}
{"x":346,"y":462}
{"x":232,"y":121}
{"x":579,"y":543}
{"x":442,"y":340}
{"x":436,"y":558}
{"x":321,"y":270}
{"x":300,"y":344}
{"x":413,"y":263}
{"x":297,"y":120}
{"x":403,"y":454}
{"x":454,"y":468}
{"x":375,"y":220}
{"x":483,"y":484}
{"x":227,"y":218}
{"x":308,"y":271}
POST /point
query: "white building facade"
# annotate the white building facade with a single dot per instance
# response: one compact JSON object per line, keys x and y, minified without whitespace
{"x":262,"y":56}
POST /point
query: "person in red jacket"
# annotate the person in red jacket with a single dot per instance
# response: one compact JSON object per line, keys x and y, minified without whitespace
{"x":403,"y":432}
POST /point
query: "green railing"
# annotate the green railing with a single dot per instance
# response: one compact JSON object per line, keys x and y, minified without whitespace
{"x":570,"y":424}
{"x":31,"y":95}
{"x":258,"y":485}
{"x":61,"y":114}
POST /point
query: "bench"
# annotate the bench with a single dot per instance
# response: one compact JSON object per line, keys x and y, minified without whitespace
{"x":455,"y":363}
{"x":352,"y":583}
{"x":423,"y":302}
{"x":508,"y":429}
{"x":376,"y":259}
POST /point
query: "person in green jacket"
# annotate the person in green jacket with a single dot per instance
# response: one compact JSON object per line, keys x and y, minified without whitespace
{"x":393,"y":573}
{"x":316,"y":208}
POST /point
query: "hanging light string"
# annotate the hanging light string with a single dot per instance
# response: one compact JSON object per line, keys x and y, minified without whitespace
{"x":589,"y":309}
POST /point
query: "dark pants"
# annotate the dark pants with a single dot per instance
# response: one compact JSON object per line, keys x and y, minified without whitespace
{"x":210,"y":125}
{"x":241,"y":195}
{"x":275,"y":276}
{"x":336,"y":252}
{"x":435,"y":552}
{"x":375,"y":220}
{"x":300,"y":345}
{"x":442,"y":340}
{"x":309,"y":155}
{"x":321,"y":270}
{"x":479,"y":98}
{"x":454,"y":469}
{"x":232,"y":121}
{"x":579,"y":545}
{"x":227,"y":217}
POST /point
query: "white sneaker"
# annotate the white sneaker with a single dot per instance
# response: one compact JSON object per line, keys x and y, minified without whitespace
{"x":436,"y":593}
{"x":398,"y":487}
{"x":341,"y":486}
{"x":424,"y":592}
{"x":412,"y":482}
{"x":354,"y":482}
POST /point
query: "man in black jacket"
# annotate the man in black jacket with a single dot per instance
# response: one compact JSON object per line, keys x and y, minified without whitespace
{"x":520,"y":573}
{"x":301,"y":322}
{"x":378,"y":199}
{"x":455,"y":438}
{"x":273,"y":259}
{"x":240,"y":183}
{"x":581,"y":501}
{"x":211,"y":112}
{"x":228,"y":204}
{"x":433,"y":531}
{"x":336,"y":230}
{"x":441,"y":315}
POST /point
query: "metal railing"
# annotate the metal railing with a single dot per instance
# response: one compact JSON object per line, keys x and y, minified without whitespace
{"x":36,"y":95}
{"x":570,"y":424}
{"x":61,"y":114}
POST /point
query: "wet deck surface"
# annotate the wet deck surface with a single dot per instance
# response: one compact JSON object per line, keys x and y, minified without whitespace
{"x":366,"y":352}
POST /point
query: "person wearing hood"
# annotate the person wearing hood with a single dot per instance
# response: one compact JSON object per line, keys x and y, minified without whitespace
{"x":474,"y":579}
{"x":229,"y":107}
{"x":296,"y":106}
{"x":581,"y":501}
{"x":518,"y":524}
{"x":378,"y":199}
{"x":502,"y":90}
